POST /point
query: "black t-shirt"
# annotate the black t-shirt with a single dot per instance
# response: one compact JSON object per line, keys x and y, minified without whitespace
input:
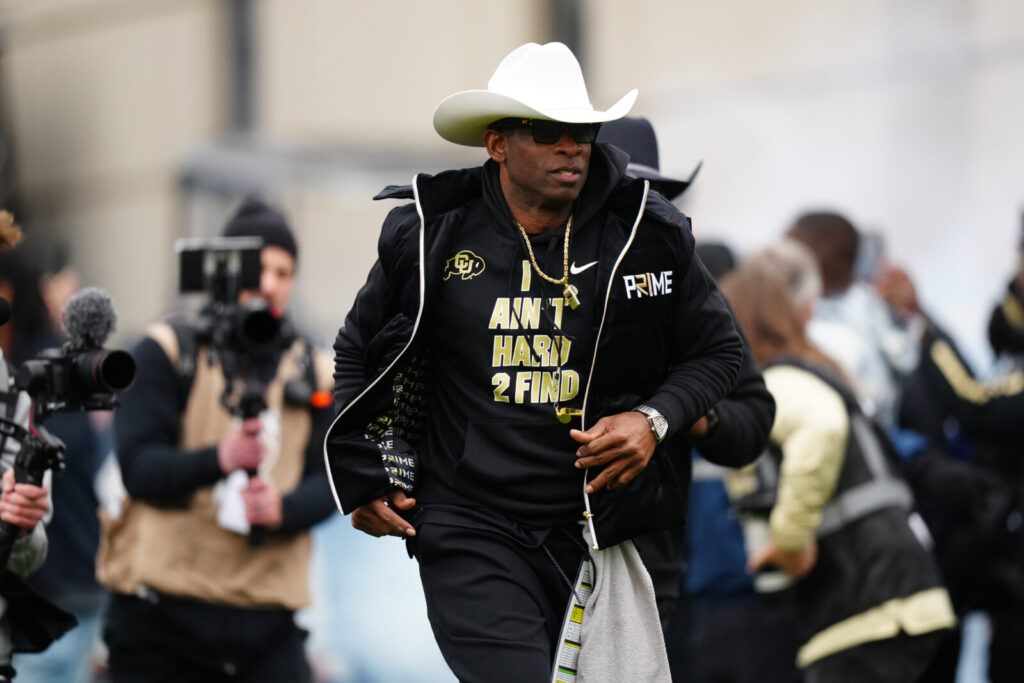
{"x":507,"y":351}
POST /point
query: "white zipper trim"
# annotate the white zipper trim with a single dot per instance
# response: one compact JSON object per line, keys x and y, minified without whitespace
{"x":415,"y":327}
{"x":593,"y":361}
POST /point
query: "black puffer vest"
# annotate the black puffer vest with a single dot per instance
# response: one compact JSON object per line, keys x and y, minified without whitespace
{"x":869,"y":548}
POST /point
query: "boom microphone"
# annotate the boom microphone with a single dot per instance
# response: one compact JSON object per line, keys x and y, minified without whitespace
{"x":89,"y":318}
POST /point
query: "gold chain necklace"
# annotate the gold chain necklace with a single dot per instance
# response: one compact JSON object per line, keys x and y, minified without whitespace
{"x":569,"y":292}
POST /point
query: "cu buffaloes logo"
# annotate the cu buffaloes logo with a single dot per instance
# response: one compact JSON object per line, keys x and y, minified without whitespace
{"x":465,"y":264}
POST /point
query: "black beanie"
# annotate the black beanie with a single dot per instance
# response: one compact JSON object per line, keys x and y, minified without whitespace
{"x":256,"y":219}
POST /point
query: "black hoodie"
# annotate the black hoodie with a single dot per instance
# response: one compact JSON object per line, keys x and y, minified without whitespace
{"x":662,"y":334}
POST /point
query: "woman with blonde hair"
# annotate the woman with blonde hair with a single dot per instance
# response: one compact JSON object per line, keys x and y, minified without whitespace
{"x":870,"y":601}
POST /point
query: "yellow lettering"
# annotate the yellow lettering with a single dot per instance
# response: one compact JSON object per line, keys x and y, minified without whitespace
{"x":500,"y":381}
{"x":502,"y":354}
{"x":535,"y":386}
{"x":542,"y":345}
{"x":522,"y":386}
{"x":559,"y":305}
{"x":549,"y":388}
{"x":641,"y":284}
{"x":527,"y":275}
{"x":564,"y":345}
{"x":500,"y":314}
{"x":538,"y":386}
{"x":529,"y":313}
{"x":569,"y":386}
{"x":521,"y":355}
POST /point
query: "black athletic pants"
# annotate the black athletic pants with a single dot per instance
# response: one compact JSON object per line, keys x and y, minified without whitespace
{"x":1005,"y":659}
{"x":170,"y":640}
{"x":749,"y":639}
{"x":495,"y":605}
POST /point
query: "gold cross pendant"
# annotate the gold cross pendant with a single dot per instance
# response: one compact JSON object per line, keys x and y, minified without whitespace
{"x":571,"y":295}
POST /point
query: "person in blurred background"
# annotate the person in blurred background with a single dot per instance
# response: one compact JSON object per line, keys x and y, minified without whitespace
{"x":550,"y":317}
{"x":975,"y":485}
{"x":732,"y":434}
{"x":726,"y":630}
{"x":851,"y":322}
{"x":24,"y":505}
{"x":197,"y":594}
{"x":869,"y":597}
{"x":68,"y":576}
{"x":909,"y":365}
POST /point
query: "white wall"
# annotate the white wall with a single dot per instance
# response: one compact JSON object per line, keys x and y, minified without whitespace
{"x":104,"y":98}
{"x":904,"y":115}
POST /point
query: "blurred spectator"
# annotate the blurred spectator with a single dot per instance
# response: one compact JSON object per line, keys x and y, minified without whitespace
{"x":977,"y":501}
{"x":968,"y":507}
{"x":732,"y":434}
{"x":59,"y":281}
{"x":851,"y":322}
{"x":67,"y":577}
{"x":726,"y":631}
{"x":870,"y":600}
{"x":872,"y":324}
{"x":208,"y":557}
{"x":30,"y":329}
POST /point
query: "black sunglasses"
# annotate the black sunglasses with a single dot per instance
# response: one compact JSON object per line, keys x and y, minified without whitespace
{"x":546,"y":132}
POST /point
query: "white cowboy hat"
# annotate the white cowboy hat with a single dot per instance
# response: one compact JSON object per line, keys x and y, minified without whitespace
{"x":533,"y":81}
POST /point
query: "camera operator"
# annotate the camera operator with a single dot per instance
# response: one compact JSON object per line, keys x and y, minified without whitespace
{"x":23,"y":505}
{"x":194,"y":597}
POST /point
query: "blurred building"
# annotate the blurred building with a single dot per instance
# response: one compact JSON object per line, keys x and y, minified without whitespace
{"x":133,"y":123}
{"x":129,"y":123}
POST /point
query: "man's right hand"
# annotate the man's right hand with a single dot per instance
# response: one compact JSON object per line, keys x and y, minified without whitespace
{"x":241,"y":449}
{"x":380,"y":519}
{"x":22,"y":505}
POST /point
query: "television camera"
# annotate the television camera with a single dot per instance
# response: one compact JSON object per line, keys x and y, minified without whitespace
{"x":245,"y":335}
{"x":78,"y":375}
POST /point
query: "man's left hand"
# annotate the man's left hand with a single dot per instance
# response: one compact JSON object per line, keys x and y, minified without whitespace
{"x":262,"y":503}
{"x":623,"y":443}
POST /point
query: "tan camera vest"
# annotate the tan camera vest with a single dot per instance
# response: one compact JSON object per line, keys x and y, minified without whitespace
{"x":183,"y":551}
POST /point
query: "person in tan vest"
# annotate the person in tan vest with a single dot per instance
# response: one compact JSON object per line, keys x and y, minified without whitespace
{"x":198,"y":594}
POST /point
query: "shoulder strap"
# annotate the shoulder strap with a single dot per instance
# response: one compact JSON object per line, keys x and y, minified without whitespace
{"x":177,"y":338}
{"x":824,"y":374}
{"x":308,"y":364}
{"x":8,"y":396}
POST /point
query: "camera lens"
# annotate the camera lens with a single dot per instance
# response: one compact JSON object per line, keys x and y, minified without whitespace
{"x":105,"y":371}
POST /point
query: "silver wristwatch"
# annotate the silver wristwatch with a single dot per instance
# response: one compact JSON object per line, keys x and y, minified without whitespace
{"x":657,"y":421}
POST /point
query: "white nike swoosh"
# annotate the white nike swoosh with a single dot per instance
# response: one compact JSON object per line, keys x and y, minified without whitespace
{"x":576,"y":271}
